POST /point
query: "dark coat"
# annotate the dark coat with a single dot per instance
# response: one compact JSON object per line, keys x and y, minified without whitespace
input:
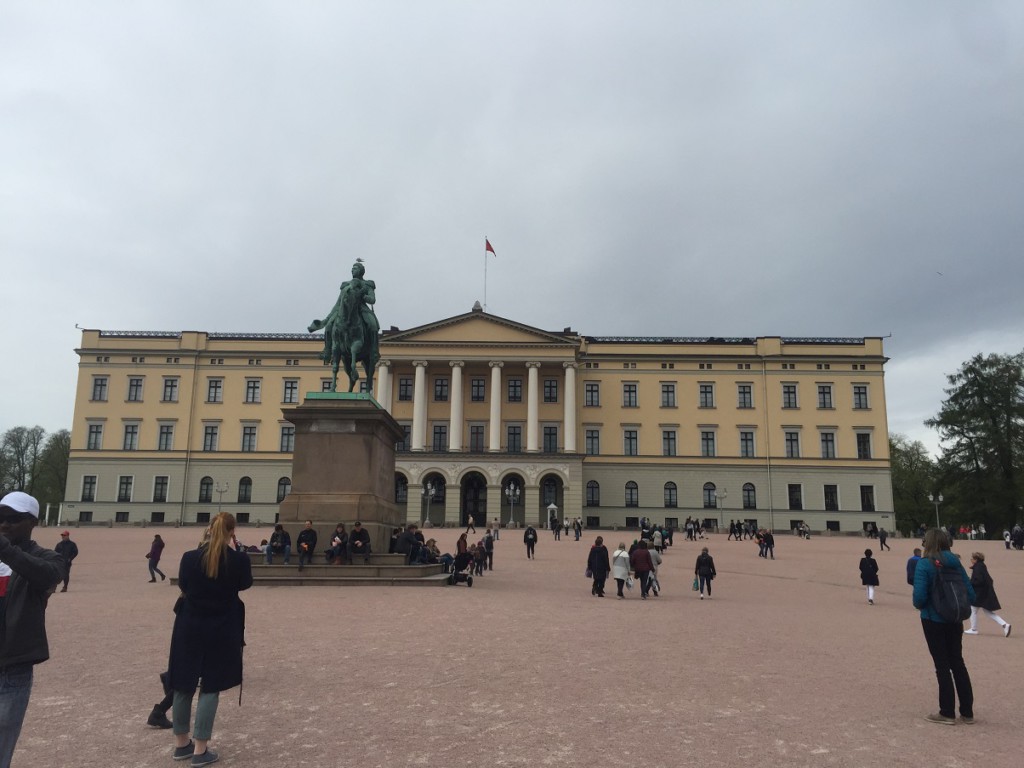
{"x":984,"y":591}
{"x":641,"y":560}
{"x":868,"y":572}
{"x":156,"y":549}
{"x":598,"y":561}
{"x":207,"y":638}
{"x":35,"y":572}
{"x":705,"y":566}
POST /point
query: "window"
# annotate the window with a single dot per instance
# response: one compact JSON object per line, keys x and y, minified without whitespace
{"x":792,"y":445}
{"x":668,"y":395}
{"x":629,"y":442}
{"x":403,"y":444}
{"x":249,"y":439}
{"x":789,"y":399}
{"x":284,"y":487}
{"x":440,"y":441}
{"x":515,"y":390}
{"x":124,"y":488}
{"x":134,"y":390}
{"x":831,"y":498}
{"x":84,"y":516}
{"x":325,"y":385}
{"x":867,"y":498}
{"x":131,"y":437}
{"x":593,"y":494}
{"x":401,"y":489}
{"x":206,"y":490}
{"x":215,"y":390}
{"x":550,"y":390}
{"x":749,"y":496}
{"x":99,"y":388}
{"x":671,"y":495}
{"x":824,"y":395}
{"x":629,"y":395}
{"x":593,"y":442}
{"x":405,"y":388}
{"x":287,"y":438}
{"x":860,"y":396}
{"x":744,"y":396}
{"x":632,"y":494}
{"x":550,"y":439}
{"x":170,"y":389}
{"x":120,"y":516}
{"x":863,"y":445}
{"x":441,"y":389}
{"x":549,"y":491}
{"x":477,"y":390}
{"x":747,"y":445}
{"x":210,"y":432}
{"x":252,"y":390}
{"x":707,"y":443}
{"x":476,"y":438}
{"x":710,"y":499}
{"x":796,"y":496}
{"x":707,"y":396}
{"x":94,"y":441}
{"x":88,"y":488}
{"x":160,"y":488}
{"x":165,"y":440}
{"x":592,"y":394}
{"x":668,"y":442}
{"x":514,"y":439}
{"x":245,"y":490}
{"x":828,"y":445}
{"x":291,"y":391}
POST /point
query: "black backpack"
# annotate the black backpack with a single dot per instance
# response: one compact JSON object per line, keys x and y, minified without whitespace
{"x":949,"y":594}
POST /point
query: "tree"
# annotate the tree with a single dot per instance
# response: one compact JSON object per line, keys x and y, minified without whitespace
{"x":913,"y":478}
{"x":52,"y":472}
{"x":981,"y":424}
{"x":21,"y":447}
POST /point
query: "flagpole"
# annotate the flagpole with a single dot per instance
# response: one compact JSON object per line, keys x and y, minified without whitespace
{"x":485,"y":274}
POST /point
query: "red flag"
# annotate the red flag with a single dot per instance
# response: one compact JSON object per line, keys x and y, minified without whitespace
{"x":489,"y":247}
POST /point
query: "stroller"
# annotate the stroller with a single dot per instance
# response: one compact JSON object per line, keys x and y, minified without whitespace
{"x":462,"y":569}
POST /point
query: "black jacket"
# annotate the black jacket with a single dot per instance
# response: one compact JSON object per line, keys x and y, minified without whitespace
{"x":868,"y":571}
{"x":67,"y":550}
{"x":35,"y":572}
{"x":307,"y":536}
{"x":598,"y":561}
{"x":984,"y":591}
{"x":705,"y":566}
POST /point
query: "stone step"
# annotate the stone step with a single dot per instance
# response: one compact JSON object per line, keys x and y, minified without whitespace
{"x":389,"y":571}
{"x":304,"y":580}
{"x":258,"y":558}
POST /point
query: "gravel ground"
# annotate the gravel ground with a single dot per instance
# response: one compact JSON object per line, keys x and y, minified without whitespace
{"x":786,"y":666}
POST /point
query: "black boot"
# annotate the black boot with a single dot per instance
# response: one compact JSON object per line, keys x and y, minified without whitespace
{"x":158,"y":719}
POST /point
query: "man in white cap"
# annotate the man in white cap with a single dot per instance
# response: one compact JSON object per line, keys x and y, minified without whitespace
{"x":35,"y":573}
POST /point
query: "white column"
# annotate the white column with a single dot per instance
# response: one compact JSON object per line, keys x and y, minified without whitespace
{"x":495,"y":430}
{"x":419,"y":407}
{"x":569,"y":414}
{"x":384,"y":384}
{"x":532,"y":399}
{"x":455,"y":420}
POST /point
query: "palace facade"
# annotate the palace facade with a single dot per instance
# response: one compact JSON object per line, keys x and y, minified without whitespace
{"x":502,"y":421}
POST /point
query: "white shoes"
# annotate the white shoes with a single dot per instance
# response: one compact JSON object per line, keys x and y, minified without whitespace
{"x":972,"y":631}
{"x":1006,"y":630}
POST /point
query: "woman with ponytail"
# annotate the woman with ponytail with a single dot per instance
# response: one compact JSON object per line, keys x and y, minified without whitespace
{"x":207,"y":640}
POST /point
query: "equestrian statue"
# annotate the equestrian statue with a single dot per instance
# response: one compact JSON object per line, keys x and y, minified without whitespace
{"x":351,"y":330}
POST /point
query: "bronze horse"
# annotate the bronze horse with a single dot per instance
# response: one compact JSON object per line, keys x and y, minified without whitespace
{"x":350,"y":333}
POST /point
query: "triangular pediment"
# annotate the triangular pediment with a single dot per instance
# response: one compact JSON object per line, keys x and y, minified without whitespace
{"x":478,"y":328}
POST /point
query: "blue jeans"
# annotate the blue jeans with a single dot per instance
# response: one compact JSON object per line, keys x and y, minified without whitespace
{"x":287,"y":555}
{"x":15,"y":689}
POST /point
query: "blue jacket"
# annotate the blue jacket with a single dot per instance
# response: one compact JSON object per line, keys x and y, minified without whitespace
{"x":924,"y":575}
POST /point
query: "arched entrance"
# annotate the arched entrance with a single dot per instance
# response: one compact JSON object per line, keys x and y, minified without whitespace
{"x":432,"y":494}
{"x":474,"y":499}
{"x":513,"y":497}
{"x":552,"y":491}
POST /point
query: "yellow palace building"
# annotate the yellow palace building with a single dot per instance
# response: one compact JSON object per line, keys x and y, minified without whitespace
{"x":502,"y":421}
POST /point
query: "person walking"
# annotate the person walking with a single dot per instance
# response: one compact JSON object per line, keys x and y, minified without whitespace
{"x":470,"y":524}
{"x":68,"y":550}
{"x":620,"y":568}
{"x":912,"y":565}
{"x":944,"y":638}
{"x":869,"y":574}
{"x":883,"y":536}
{"x":642,"y":565}
{"x":156,"y":549}
{"x":530,"y":540}
{"x":598,"y":564}
{"x":207,"y":639}
{"x":705,"y":571}
{"x":986,"y":601}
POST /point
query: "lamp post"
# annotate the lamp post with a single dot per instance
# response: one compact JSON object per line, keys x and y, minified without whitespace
{"x":512,"y":492}
{"x":720,"y":499}
{"x":428,"y":498}
{"x":936,"y":500}
{"x":220,"y":493}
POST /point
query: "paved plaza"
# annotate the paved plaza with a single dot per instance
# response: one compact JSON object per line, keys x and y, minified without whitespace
{"x":786,"y":666}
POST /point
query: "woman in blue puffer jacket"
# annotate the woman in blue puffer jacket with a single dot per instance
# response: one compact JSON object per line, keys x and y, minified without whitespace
{"x":945,"y":639}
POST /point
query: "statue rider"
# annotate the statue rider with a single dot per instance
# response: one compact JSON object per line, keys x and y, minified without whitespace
{"x":352,"y":312}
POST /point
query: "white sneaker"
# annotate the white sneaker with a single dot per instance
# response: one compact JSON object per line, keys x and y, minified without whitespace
{"x":1006,"y":630}
{"x":972,"y":631}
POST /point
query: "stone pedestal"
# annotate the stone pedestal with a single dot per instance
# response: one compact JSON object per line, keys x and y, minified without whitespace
{"x":343,"y":468}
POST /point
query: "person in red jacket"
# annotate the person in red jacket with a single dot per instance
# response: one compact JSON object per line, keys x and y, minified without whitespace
{"x":642,"y":566}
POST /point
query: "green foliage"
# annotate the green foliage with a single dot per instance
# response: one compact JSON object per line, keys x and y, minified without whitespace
{"x":981,"y":424}
{"x":913,"y":478}
{"x":31,"y":462}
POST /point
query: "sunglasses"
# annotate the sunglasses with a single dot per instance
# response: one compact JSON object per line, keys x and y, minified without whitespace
{"x":13,"y":518}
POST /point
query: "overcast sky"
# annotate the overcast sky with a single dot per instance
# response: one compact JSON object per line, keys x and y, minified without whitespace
{"x":643,"y":168}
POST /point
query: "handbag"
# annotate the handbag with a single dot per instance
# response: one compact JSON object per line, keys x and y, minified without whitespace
{"x":696,"y":584}
{"x":589,"y":574}
{"x":629,"y":582}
